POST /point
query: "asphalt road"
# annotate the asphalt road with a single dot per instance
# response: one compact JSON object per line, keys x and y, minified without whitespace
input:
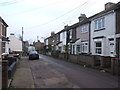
{"x":49,"y":72}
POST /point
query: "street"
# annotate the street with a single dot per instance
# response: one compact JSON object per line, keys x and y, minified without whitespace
{"x":49,"y":72}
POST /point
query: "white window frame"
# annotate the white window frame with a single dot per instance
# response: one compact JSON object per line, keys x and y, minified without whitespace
{"x":97,"y":49}
{"x":46,"y":41}
{"x":70,"y":34}
{"x":99,"y":23}
{"x":84,"y":47}
{"x":77,"y":49}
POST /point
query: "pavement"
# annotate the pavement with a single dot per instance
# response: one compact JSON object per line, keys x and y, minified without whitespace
{"x":22,"y":77}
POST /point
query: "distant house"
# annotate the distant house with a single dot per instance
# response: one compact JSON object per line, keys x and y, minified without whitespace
{"x":63,"y":39}
{"x":15,"y":45}
{"x":39,"y":46}
{"x":103,"y":27}
{"x":72,"y":39}
{"x":3,"y":37}
{"x":57,"y":41}
{"x":25,"y":46}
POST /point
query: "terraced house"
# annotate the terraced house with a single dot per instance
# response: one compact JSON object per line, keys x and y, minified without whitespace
{"x":93,"y":40}
{"x":103,"y":28}
{"x":3,"y":37}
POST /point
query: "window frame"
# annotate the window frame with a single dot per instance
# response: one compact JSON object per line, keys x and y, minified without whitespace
{"x":98,"y":49}
{"x":78,"y":50}
{"x":84,"y":47}
{"x":99,"y":24}
{"x":84,"y":29}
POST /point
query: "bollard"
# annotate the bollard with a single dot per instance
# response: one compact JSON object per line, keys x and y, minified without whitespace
{"x":4,"y":74}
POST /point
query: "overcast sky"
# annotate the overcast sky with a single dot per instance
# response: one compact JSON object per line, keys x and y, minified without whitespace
{"x":41,"y":17}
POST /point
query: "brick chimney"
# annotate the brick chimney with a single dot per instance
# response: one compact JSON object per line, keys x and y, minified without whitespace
{"x":82,"y":17}
{"x":109,"y":5}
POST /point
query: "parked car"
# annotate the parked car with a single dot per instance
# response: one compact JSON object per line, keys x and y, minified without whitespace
{"x":33,"y":55}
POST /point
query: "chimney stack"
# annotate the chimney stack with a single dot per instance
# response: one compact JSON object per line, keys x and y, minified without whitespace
{"x":109,"y":5}
{"x":66,"y":26}
{"x":52,"y":33}
{"x":82,"y":17}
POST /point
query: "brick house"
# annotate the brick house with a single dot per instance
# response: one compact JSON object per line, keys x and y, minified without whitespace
{"x":3,"y":37}
{"x":79,"y":36}
{"x":39,"y":46}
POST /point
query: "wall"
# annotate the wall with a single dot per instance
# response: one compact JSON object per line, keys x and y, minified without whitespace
{"x":63,"y":40}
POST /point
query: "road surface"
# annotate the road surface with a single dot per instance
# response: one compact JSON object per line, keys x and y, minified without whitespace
{"x":49,"y":72}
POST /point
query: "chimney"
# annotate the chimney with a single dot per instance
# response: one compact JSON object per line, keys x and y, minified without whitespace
{"x":82,"y":17}
{"x":66,"y":26}
{"x":109,"y":5}
{"x":52,"y":33}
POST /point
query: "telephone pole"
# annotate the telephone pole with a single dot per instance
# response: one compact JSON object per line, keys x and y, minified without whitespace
{"x":22,"y":42}
{"x":22,"y":34}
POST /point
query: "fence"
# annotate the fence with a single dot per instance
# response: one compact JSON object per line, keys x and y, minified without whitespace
{"x":92,"y":60}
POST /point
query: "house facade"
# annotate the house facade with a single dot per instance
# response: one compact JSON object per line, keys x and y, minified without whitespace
{"x":3,"y":37}
{"x":103,"y":27}
{"x":73,"y":49}
{"x":118,"y":30}
{"x":96,"y":35}
{"x":80,"y":36}
{"x":15,"y":45}
{"x":39,"y":46}
{"x":83,"y":33}
{"x":64,"y":39}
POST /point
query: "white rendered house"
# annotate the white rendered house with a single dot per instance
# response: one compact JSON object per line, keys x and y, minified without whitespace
{"x":15,"y":44}
{"x":103,"y":26}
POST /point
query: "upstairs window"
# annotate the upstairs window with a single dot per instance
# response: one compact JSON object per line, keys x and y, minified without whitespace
{"x":84,"y":29}
{"x":100,"y":23}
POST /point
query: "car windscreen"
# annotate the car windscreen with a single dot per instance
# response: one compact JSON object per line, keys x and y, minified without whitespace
{"x":33,"y":52}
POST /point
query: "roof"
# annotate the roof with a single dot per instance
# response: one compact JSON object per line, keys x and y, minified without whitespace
{"x":116,"y":6}
{"x":1,"y":20}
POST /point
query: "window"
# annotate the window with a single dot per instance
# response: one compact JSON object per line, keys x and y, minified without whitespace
{"x":84,"y":29}
{"x":73,"y":49}
{"x":3,"y":47}
{"x":84,"y":47}
{"x":98,"y":47}
{"x":70,"y":34}
{"x":46,"y":41}
{"x":78,"y":49}
{"x":99,"y":23}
